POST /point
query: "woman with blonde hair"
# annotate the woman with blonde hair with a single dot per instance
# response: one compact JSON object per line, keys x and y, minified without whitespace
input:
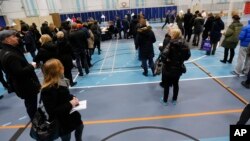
{"x":58,"y":101}
{"x":173,"y":63}
{"x":47,"y":49}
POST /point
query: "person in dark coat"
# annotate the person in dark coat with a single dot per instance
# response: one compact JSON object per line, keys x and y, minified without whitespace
{"x":58,"y":101}
{"x":198,"y":28}
{"x":145,"y":40}
{"x":167,"y":15}
{"x":47,"y":50}
{"x":188,"y":25}
{"x":45,"y":29}
{"x":172,"y":66}
{"x":29,"y":42}
{"x":97,"y":36}
{"x":64,"y":54}
{"x":215,"y":34}
{"x":78,"y":40}
{"x":133,"y":29}
{"x":118,"y":26}
{"x":207,"y":27}
{"x":125,"y":24}
{"x":231,"y":39}
{"x":19,"y":71}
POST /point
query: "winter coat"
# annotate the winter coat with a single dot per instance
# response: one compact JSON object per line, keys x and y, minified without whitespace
{"x":187,"y":20}
{"x":145,"y":40}
{"x":245,"y":35}
{"x":64,"y":53}
{"x":215,"y":33}
{"x":20,"y":73}
{"x":46,"y":52}
{"x":198,"y":25}
{"x":78,"y":40}
{"x":231,"y":36}
{"x":207,"y":27}
{"x":56,"y":100}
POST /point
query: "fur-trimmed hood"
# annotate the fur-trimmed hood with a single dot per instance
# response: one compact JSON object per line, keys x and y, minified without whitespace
{"x":144,"y":29}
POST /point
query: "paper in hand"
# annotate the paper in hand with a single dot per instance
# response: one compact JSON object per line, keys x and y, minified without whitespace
{"x":82,"y":105}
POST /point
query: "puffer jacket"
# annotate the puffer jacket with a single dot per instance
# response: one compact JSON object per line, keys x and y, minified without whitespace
{"x":245,"y":35}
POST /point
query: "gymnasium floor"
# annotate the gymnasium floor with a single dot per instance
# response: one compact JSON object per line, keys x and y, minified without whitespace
{"x":120,"y":98}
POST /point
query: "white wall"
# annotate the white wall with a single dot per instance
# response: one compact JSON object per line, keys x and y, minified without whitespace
{"x":14,"y":9}
{"x":42,"y":7}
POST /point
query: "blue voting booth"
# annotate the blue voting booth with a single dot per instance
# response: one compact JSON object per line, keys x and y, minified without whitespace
{"x":151,"y":13}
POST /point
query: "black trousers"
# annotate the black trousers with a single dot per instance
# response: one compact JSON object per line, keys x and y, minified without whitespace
{"x":31,"y":105}
{"x":167,"y":85}
{"x":226,"y":54}
{"x":245,"y":115}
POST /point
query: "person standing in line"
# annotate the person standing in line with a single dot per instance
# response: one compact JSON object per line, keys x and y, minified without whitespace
{"x":21,"y":73}
{"x":215,"y":33}
{"x":243,"y":61}
{"x":231,"y":39}
{"x":167,"y":15}
{"x":58,"y":101}
{"x":188,"y":25}
{"x":64,"y":54}
{"x":172,"y":65}
{"x":145,"y":40}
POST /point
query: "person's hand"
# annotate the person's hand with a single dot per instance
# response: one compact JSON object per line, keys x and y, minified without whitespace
{"x":74,"y":102}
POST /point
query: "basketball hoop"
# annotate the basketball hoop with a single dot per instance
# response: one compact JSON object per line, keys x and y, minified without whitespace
{"x":124,"y":4}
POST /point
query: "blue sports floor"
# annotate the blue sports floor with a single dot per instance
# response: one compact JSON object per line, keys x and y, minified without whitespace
{"x":120,"y":98}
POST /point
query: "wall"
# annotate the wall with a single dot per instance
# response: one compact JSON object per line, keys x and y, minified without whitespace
{"x":15,"y":9}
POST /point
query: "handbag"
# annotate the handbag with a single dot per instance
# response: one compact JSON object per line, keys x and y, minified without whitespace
{"x":158,"y":66}
{"x":41,"y":128}
{"x":206,"y":45}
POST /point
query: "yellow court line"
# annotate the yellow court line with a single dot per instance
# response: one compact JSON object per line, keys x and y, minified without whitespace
{"x":144,"y":118}
{"x":223,"y":85}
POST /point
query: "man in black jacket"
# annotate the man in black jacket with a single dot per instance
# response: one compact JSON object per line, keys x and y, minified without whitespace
{"x":19,"y":71}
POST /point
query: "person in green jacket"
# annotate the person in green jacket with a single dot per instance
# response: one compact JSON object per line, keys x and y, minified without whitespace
{"x":231,"y":39}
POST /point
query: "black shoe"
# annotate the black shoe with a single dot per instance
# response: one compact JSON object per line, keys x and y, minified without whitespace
{"x":1,"y":96}
{"x":243,"y":83}
{"x":145,"y":74}
{"x":73,"y":84}
{"x":223,"y":61}
{"x":161,"y":84}
{"x":230,"y":62}
{"x":80,"y":74}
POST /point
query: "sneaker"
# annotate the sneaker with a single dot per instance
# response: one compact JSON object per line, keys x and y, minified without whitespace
{"x":164,"y":103}
{"x":243,"y":83}
{"x":174,"y":102}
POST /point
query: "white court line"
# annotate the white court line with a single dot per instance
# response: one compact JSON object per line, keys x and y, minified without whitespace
{"x":195,"y":59}
{"x":75,"y":77}
{"x":21,"y":118}
{"x":6,"y":124}
{"x":116,"y":45}
{"x":106,"y":54}
{"x":141,"y":83}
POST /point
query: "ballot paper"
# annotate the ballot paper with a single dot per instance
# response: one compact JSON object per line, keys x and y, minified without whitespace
{"x":82,"y":105}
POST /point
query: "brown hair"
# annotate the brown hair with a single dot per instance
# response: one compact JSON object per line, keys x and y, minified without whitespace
{"x":52,"y":71}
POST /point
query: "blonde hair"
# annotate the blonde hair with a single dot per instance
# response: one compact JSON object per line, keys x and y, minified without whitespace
{"x":59,"y":35}
{"x":45,"y":38}
{"x":175,"y":33}
{"x":52,"y":71}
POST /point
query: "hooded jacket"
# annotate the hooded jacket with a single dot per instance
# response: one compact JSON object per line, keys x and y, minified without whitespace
{"x":145,"y":40}
{"x":245,"y":35}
